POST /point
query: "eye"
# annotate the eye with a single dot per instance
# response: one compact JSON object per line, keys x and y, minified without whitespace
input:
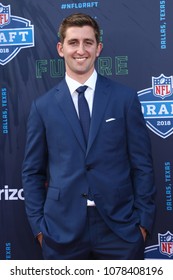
{"x":73,"y":43}
{"x":89,"y":43}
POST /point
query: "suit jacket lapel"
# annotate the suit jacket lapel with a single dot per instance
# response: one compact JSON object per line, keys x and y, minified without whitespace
{"x":101,"y":98}
{"x":65,"y":102}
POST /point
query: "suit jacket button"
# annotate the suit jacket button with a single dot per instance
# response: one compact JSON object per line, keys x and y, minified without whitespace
{"x":88,"y":167}
{"x":85,"y":195}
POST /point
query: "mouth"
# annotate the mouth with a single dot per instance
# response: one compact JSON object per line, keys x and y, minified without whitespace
{"x":81,"y":59}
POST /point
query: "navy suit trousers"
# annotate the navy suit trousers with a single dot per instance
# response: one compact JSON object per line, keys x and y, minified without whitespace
{"x":97,"y":242}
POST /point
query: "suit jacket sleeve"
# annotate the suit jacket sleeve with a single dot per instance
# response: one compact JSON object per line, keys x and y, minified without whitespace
{"x":139,"y":147}
{"x":34,"y":173}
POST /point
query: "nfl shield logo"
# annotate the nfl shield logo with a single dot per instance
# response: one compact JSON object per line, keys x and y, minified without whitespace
{"x":166,"y":243}
{"x":162,"y":86}
{"x":4,"y":15}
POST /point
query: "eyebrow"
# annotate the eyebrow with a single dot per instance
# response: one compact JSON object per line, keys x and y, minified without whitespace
{"x":86,"y":39}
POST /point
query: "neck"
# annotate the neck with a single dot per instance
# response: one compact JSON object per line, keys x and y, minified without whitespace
{"x":80,"y":78}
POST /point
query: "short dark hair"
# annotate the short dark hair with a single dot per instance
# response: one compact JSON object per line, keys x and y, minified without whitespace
{"x":79,"y":20}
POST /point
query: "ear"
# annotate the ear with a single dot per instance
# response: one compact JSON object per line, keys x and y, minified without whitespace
{"x":59,"y":48}
{"x":99,"y":49}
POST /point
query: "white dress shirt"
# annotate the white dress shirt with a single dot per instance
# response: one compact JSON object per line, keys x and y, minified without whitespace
{"x":89,"y":95}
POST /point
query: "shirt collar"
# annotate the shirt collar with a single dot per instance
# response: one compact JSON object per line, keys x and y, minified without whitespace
{"x":73,"y":84}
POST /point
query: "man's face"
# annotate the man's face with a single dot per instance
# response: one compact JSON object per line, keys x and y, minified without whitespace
{"x":79,"y":50}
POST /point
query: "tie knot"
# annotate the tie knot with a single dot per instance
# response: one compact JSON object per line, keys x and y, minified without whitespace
{"x":81,"y":89}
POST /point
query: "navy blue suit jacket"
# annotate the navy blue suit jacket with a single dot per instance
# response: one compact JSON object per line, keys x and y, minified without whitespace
{"x":116,"y":165}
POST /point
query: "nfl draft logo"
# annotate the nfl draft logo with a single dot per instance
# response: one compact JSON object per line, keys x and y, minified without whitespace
{"x":163,"y":249}
{"x":157,"y":105}
{"x":166,"y":244}
{"x":15,"y":33}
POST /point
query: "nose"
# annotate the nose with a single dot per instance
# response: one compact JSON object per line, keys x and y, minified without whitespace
{"x":81,"y":48}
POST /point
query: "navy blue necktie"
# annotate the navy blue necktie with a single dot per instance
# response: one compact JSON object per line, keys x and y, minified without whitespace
{"x":84,"y":113}
{"x":84,"y":116}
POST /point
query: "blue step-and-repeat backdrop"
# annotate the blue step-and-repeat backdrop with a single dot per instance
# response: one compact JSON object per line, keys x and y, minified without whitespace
{"x":138,"y":48}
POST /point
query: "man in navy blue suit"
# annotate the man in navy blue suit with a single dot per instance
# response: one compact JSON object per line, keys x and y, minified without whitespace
{"x":88,"y":140}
